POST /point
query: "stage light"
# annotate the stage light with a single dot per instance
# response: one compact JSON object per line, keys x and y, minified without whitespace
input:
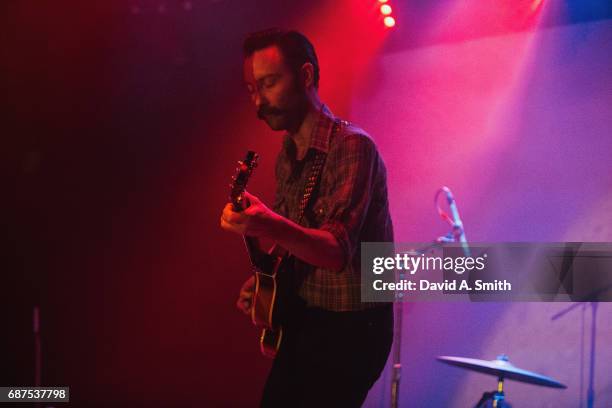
{"x":383,"y":1}
{"x":389,"y":21}
{"x":385,"y":9}
{"x":536,"y":4}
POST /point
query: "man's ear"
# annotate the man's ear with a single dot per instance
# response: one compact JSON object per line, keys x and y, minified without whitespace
{"x":307,"y":72}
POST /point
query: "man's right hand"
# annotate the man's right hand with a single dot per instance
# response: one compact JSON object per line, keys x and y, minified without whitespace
{"x":245,"y":299}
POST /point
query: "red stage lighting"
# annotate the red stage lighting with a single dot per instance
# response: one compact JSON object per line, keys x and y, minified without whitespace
{"x":536,"y":4}
{"x":389,"y":21}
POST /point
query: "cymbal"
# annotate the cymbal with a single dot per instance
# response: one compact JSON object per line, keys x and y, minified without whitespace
{"x":501,"y":367}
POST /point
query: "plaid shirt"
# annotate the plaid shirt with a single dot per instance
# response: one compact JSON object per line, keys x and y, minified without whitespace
{"x":350,"y":202}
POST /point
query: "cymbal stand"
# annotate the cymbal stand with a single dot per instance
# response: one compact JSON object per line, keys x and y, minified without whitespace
{"x":496,"y":397}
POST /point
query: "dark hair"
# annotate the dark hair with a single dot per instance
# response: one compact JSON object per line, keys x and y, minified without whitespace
{"x":295,"y":47}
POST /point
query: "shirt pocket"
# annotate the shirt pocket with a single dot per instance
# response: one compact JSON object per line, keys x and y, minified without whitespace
{"x":320,"y":212}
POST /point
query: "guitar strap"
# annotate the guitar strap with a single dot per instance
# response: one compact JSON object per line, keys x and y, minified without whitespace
{"x":315,"y":173}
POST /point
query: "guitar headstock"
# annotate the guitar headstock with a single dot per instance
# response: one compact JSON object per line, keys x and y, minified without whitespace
{"x":240,"y":180}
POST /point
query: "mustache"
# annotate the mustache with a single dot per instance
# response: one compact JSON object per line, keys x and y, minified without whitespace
{"x":268,"y":110}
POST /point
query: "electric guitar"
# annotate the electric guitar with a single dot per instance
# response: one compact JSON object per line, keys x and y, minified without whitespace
{"x":265,"y":312}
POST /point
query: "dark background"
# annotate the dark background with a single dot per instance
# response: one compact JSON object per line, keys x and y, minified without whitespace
{"x":120,"y":149}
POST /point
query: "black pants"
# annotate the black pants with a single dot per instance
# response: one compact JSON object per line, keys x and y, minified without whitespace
{"x":329,"y":358}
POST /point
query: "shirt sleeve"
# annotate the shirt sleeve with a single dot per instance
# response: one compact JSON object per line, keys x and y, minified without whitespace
{"x":352,"y":165}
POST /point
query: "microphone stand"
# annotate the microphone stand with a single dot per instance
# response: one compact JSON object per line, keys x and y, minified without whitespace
{"x":398,"y":307}
{"x":456,"y":234}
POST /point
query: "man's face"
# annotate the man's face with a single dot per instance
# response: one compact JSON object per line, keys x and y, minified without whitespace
{"x":276,"y":93}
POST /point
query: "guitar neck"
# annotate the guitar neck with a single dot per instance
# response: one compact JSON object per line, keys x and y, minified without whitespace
{"x":239,"y":203}
{"x":251,"y":243}
{"x":253,"y":249}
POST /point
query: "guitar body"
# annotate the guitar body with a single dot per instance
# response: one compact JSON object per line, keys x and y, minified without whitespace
{"x":266,"y":306}
{"x":262,"y":313}
{"x":264,"y":300}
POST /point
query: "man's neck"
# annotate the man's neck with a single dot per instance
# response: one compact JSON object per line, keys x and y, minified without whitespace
{"x":302,"y":137}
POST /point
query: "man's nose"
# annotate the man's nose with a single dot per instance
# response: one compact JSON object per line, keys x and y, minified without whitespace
{"x":258,"y":99}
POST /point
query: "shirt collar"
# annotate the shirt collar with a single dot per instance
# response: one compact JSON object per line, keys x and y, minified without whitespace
{"x":319,"y":139}
{"x":321,"y":132}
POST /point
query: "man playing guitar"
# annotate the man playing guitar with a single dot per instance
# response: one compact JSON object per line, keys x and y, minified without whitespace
{"x":333,"y":346}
